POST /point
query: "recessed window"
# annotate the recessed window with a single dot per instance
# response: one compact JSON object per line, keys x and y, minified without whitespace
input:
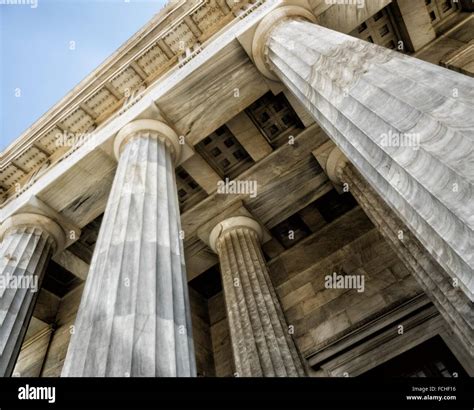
{"x":429,"y":359}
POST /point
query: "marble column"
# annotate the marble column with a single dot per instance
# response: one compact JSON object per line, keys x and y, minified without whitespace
{"x":134,"y":316}
{"x":29,"y":241}
{"x":450,"y":300}
{"x":406,"y":125}
{"x":261,"y":341}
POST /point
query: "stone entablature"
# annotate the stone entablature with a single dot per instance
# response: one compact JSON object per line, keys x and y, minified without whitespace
{"x":168,"y":41}
{"x":32,"y":157}
{"x":149,"y":256}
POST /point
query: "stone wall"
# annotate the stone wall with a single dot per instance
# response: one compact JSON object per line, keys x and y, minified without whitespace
{"x":350,"y":245}
{"x":31,"y":358}
{"x":220,"y":337}
{"x":321,"y":315}
{"x":64,"y":326}
{"x":202,"y":334}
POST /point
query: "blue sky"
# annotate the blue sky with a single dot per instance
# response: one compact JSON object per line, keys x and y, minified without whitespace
{"x":45,"y":51}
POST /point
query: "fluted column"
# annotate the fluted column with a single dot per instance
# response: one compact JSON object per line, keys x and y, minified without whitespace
{"x":406,"y":125}
{"x":134,"y":317}
{"x":260,"y":338}
{"x":29,"y":240}
{"x":450,"y":300}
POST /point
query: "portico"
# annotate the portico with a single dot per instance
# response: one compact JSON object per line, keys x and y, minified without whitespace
{"x":274,"y":101}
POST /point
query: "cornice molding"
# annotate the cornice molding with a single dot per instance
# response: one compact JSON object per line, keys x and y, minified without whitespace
{"x":179,"y":31}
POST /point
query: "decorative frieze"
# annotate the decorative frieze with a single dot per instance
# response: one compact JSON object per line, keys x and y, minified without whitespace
{"x":111,"y":89}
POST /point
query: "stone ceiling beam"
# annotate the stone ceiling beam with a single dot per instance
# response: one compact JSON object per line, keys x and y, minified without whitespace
{"x":249,"y":136}
{"x":210,"y":58}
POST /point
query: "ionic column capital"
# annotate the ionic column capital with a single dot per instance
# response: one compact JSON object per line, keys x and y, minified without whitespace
{"x":230,"y":224}
{"x":335,"y":164}
{"x":266,"y":26}
{"x":34,"y":221}
{"x":155,"y":129}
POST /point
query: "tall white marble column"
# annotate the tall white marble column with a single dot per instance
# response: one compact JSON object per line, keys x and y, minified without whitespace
{"x":450,"y":300}
{"x":406,"y":125}
{"x":29,"y":241}
{"x":260,"y":337}
{"x":134,"y":317}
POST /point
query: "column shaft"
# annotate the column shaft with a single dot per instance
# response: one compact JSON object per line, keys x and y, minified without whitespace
{"x":451,"y":302}
{"x":25,"y":253}
{"x":405,"y":124}
{"x":134,"y":317}
{"x":261,"y":341}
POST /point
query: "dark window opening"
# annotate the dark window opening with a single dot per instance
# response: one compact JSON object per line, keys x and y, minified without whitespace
{"x":429,"y":359}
